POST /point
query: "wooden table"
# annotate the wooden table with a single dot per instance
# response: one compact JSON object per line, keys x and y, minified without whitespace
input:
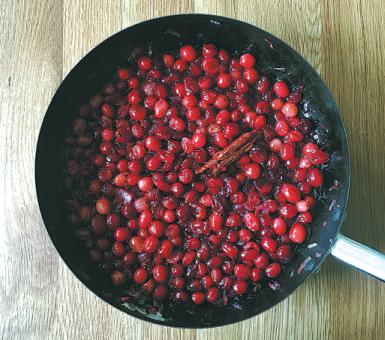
{"x":41,"y":40}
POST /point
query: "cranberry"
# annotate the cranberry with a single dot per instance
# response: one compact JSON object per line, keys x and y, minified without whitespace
{"x":285,"y":253}
{"x":297,"y":233}
{"x":118,"y":278}
{"x":291,"y":193}
{"x":242,"y":272}
{"x":281,"y":89}
{"x":315,"y":177}
{"x":152,"y":143}
{"x":140,"y":276}
{"x":188,"y":53}
{"x":273,"y":269}
{"x":261,"y":261}
{"x":240,"y":287}
{"x":160,"y":292}
{"x":213,"y":294}
{"x":269,"y":244}
{"x":198,"y":298}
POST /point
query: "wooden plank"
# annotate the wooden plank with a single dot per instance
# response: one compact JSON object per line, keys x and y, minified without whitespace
{"x":31,"y":69}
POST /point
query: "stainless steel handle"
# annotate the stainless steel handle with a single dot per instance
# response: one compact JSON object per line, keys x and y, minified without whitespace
{"x":360,"y":256}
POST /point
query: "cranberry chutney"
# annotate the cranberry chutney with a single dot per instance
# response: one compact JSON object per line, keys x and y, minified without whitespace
{"x":191,"y":177}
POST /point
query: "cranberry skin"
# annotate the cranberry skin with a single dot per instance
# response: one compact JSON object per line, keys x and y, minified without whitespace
{"x":161,"y":91}
{"x":224,"y":80}
{"x":125,"y":73}
{"x":262,"y":107}
{"x":168,"y":60}
{"x":178,"y":189}
{"x":240,"y":287}
{"x":136,"y":244}
{"x":233,"y":221}
{"x":247,"y":60}
{"x":137,"y":112}
{"x":148,"y":287}
{"x":297,"y":233}
{"x":181,"y":296}
{"x":103,"y":206}
{"x":314,"y":177}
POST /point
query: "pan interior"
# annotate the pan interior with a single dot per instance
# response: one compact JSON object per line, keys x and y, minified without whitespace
{"x":169,"y":34}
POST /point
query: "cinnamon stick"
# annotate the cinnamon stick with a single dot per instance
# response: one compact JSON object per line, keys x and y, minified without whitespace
{"x":232,"y":152}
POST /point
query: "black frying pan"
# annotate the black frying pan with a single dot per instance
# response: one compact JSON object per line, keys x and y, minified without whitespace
{"x":273,"y":56}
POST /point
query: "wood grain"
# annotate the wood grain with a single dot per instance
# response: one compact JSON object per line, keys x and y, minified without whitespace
{"x":40,"y":41}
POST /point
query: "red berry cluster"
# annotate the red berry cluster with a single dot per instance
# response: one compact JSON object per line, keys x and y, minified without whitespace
{"x":144,"y":214}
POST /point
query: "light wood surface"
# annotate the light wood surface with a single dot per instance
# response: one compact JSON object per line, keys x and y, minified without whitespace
{"x":41,"y":40}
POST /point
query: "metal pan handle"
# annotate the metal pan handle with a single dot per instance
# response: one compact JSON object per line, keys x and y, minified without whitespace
{"x":360,"y":256}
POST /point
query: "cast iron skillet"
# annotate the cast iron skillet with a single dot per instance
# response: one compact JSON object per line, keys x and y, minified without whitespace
{"x":273,"y":56}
